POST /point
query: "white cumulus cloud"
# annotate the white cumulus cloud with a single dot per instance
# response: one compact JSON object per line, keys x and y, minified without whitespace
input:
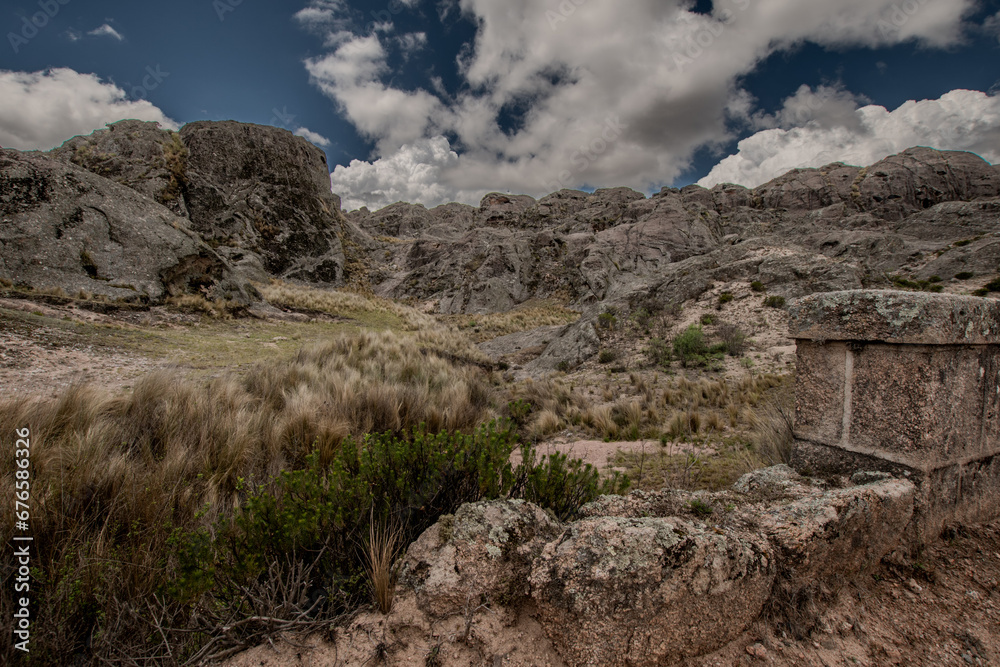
{"x":106,"y":31}
{"x":964,"y":120}
{"x":666,"y":78}
{"x":314,"y":137}
{"x":414,"y":173}
{"x":40,"y":110}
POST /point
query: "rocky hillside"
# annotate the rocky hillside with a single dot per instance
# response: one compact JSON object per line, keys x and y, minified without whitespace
{"x":254,"y":202}
{"x":836,"y":227}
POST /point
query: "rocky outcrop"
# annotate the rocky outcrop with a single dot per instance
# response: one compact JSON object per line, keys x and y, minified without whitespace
{"x":263,"y":190}
{"x":259,"y":195}
{"x":64,"y":227}
{"x":645,"y":579}
{"x":613,"y":245}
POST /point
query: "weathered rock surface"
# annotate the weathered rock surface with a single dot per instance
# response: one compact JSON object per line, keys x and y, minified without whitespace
{"x":652,"y":577}
{"x":259,"y":195}
{"x":639,"y":591}
{"x":921,"y":213}
{"x":261,"y":189}
{"x":64,"y":227}
{"x":484,"y":550}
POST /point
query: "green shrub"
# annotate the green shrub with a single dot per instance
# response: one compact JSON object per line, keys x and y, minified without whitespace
{"x":965,"y":275}
{"x":641,"y":316}
{"x":564,"y":485}
{"x":700,"y":508}
{"x":993,"y":286}
{"x":607,"y":356}
{"x":980,"y":292}
{"x":563,"y":366}
{"x":757,"y":286}
{"x":934,"y":279}
{"x":316,"y":517}
{"x":774,"y":302}
{"x":607,"y":321}
{"x":708,"y":319}
{"x":725,"y":297}
{"x":690,"y":344}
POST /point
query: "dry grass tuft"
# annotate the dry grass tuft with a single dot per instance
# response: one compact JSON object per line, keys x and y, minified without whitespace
{"x":380,"y":554}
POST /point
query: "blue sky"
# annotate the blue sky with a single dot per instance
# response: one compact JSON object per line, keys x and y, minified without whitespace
{"x":440,"y":100}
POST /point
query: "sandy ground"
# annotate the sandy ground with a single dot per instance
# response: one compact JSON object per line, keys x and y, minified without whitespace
{"x":44,"y":360}
{"x":601,"y":454}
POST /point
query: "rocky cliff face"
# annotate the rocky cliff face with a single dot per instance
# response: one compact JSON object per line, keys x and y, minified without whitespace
{"x":836,"y":227}
{"x":260,"y":198}
{"x":64,"y":227}
{"x":259,"y":195}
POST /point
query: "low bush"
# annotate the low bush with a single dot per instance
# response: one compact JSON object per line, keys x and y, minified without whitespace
{"x":733,"y":339}
{"x":757,"y":286}
{"x":607,"y":356}
{"x":965,"y":275}
{"x":725,"y":297}
{"x":690,"y":344}
{"x":774,"y":302}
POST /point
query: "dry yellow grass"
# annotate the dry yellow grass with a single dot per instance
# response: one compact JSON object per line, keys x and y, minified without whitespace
{"x":523,"y":318}
{"x":112,"y":474}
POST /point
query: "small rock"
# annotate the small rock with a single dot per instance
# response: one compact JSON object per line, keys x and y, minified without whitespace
{"x":757,"y":650}
{"x":914,"y":586}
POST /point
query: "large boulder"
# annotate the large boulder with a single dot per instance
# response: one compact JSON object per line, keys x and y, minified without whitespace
{"x":642,"y":591}
{"x":64,"y":227}
{"x":259,"y":195}
{"x":262,"y":189}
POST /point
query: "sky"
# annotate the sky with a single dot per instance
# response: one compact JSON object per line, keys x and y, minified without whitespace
{"x":431,"y":101}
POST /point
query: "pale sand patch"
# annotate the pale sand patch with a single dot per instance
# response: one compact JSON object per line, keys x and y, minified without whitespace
{"x":600,"y":454}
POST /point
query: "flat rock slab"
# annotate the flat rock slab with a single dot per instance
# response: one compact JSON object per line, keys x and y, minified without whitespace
{"x":912,"y":318}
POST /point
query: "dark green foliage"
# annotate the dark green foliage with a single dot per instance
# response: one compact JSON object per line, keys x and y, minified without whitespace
{"x":980,"y":292}
{"x":934,"y":279}
{"x":607,"y":321}
{"x":993,"y":286}
{"x":965,"y":275}
{"x":564,"y":485}
{"x":518,"y":412}
{"x":692,"y":349}
{"x":607,"y":356}
{"x":708,"y":319}
{"x":700,"y":507}
{"x":641,"y":316}
{"x":563,"y":366}
{"x":320,"y":514}
{"x":725,"y":297}
{"x":757,"y":286}
{"x":774,"y":302}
